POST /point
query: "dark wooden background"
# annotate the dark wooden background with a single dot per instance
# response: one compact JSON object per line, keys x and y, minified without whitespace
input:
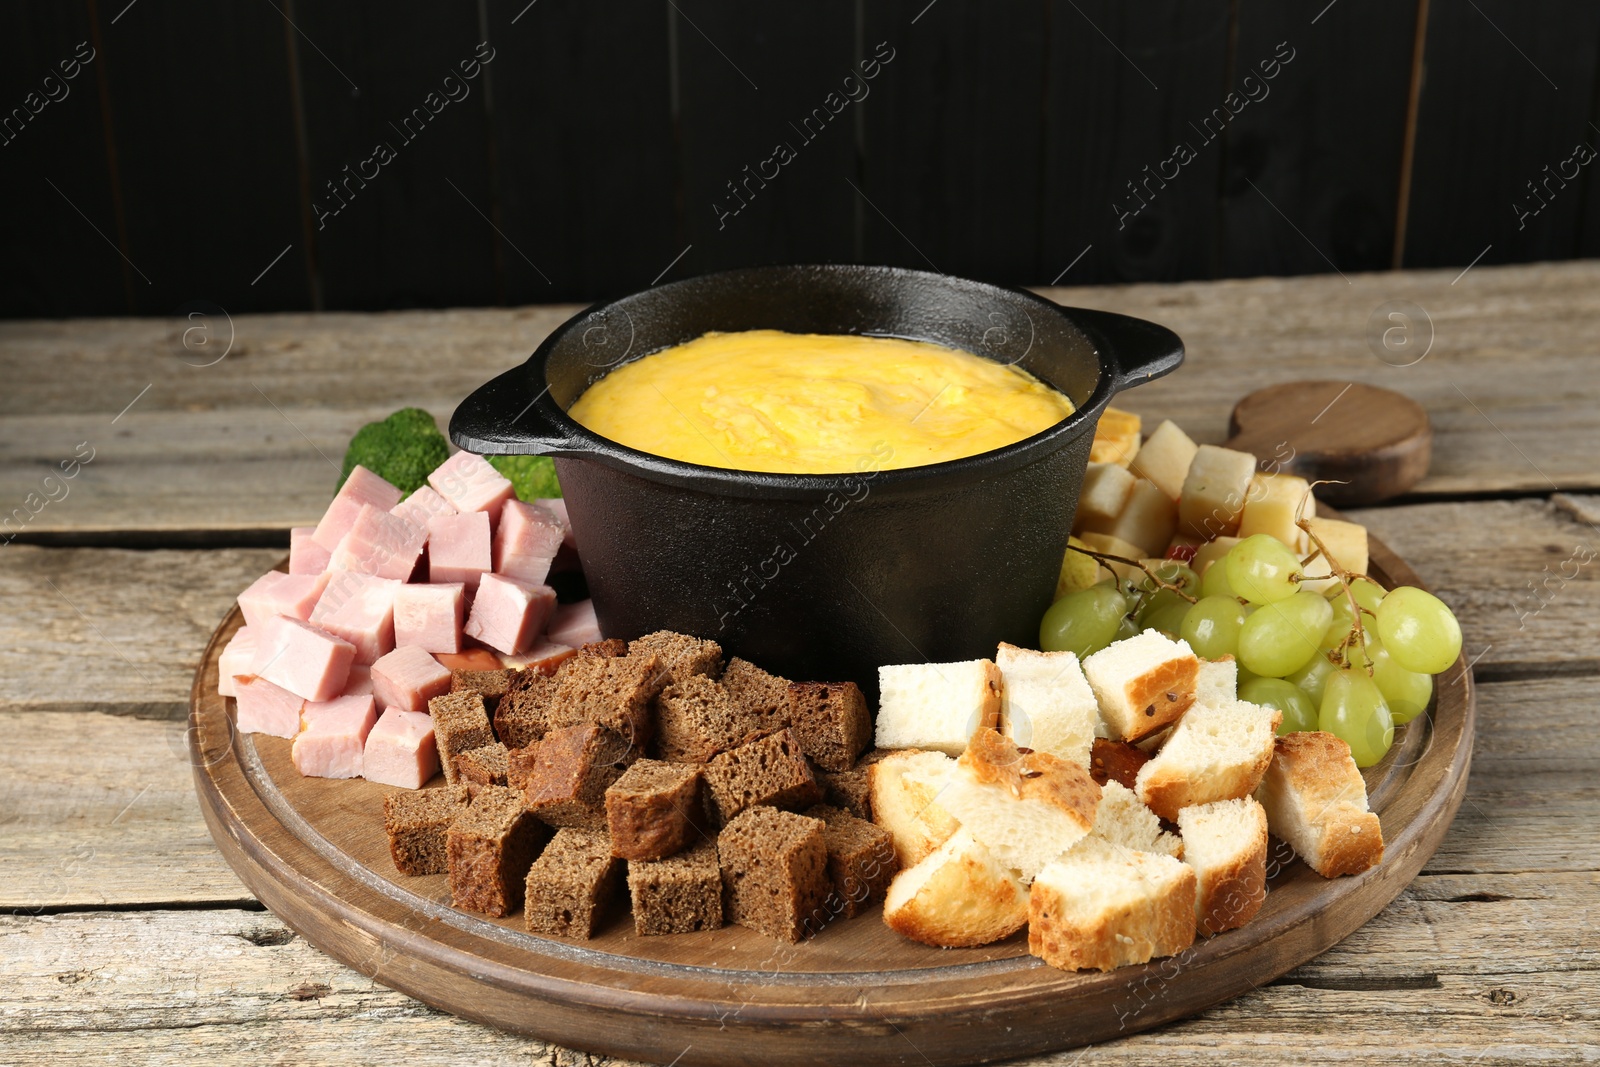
{"x":187,"y":161}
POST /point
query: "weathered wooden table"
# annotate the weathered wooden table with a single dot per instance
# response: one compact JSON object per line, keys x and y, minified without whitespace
{"x":125,"y":938}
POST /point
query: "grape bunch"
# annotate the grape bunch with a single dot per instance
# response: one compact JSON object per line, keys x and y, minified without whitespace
{"x":1354,"y":660}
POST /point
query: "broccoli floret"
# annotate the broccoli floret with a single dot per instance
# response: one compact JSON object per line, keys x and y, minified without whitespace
{"x":402,"y":449}
{"x":533,"y":477}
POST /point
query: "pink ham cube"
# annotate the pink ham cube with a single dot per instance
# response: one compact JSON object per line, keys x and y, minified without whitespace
{"x":362,"y":487}
{"x":276,"y":593}
{"x":330,"y":743}
{"x":267,"y":709}
{"x":305,"y":555}
{"x":408,"y":678}
{"x":360,"y":609}
{"x":574,"y":624}
{"x":307,"y":661}
{"x":422,"y":505}
{"x":544,"y":657}
{"x":508,"y":614}
{"x":359,"y":684}
{"x":429,"y":616}
{"x":401,"y":750}
{"x":558,"y":507}
{"x":526,"y":541}
{"x":471,"y":484}
{"x":459,"y":548}
{"x":379,"y":543}
{"x":236,"y":659}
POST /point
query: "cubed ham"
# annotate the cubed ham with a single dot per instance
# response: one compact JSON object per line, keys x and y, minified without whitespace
{"x":304,"y":659}
{"x":265,"y":708}
{"x":509,"y":614}
{"x":276,"y":593}
{"x":380,"y":544}
{"x":558,"y":507}
{"x":401,"y":750}
{"x":471,"y":659}
{"x":471,"y":484}
{"x":238,"y":655}
{"x":359,"y":683}
{"x":305,"y":555}
{"x":574,"y":624}
{"x":544,"y":657}
{"x":408,"y":678}
{"x":362,"y":487}
{"x":526,"y":541}
{"x":460,"y":548}
{"x":360,"y":609}
{"x":422,"y":505}
{"x":430,"y":616}
{"x":332,"y":737}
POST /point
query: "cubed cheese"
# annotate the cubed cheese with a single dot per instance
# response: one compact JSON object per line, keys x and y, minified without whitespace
{"x":1347,"y":541}
{"x":1147,"y":520}
{"x":1214,"y":492}
{"x":1116,"y":437}
{"x":1105,"y":492}
{"x":1164,"y":459}
{"x":1274,"y":504}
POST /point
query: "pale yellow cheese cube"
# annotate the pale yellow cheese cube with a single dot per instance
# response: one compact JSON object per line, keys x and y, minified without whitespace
{"x":1105,"y":492}
{"x":1211,"y":552}
{"x":1116,"y":437}
{"x":1147,"y":520}
{"x":1346,"y":541}
{"x":1164,"y":459}
{"x":1274,"y":504}
{"x":1115,"y":546}
{"x":1214,"y":492}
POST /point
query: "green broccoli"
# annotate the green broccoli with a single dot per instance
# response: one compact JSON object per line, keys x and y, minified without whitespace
{"x":402,"y":449}
{"x":533,"y":477}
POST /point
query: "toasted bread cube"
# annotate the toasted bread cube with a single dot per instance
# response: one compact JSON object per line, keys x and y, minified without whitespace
{"x":1316,"y":800}
{"x":1115,"y":546}
{"x":1214,"y":753}
{"x":1122,"y":821}
{"x":905,"y":791}
{"x":1211,"y":552}
{"x":1116,"y":437}
{"x":1164,"y":459}
{"x":936,"y":705}
{"x":1214,"y":492}
{"x":1274,"y":504}
{"x":1226,"y":844}
{"x":1347,"y":541}
{"x":959,"y":896}
{"x":1105,"y":492}
{"x":1107,"y":909}
{"x":1148,"y":520}
{"x":1046,"y":703}
{"x":1217,"y":682}
{"x":1142,"y":683}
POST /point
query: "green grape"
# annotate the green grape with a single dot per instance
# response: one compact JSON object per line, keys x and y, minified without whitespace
{"x":1369,"y":594}
{"x":1299,"y":713}
{"x":1419,"y":631}
{"x":1169,"y":620}
{"x":1083,"y":622}
{"x":1406,"y":692}
{"x":1262,"y":569}
{"x":1128,"y":627}
{"x":1313,"y":677}
{"x":1173,"y":572}
{"x":1343,"y":619}
{"x":1246,"y":675}
{"x":1152,"y":602}
{"x":1215,"y":581}
{"x":1281,"y":637}
{"x":1211,"y":627}
{"x":1354,"y":711}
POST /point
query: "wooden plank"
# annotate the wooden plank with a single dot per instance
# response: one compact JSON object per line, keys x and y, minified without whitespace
{"x":1328,"y":159}
{"x":951,"y":141}
{"x":397,"y":147}
{"x":1509,"y":92}
{"x":1124,"y":86}
{"x":608,"y":226}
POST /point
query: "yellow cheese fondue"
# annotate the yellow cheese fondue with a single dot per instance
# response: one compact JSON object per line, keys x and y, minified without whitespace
{"x":764,"y":400}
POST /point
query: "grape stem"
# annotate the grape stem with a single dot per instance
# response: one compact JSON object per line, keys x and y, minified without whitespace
{"x":1161,"y":583}
{"x":1357,"y":634}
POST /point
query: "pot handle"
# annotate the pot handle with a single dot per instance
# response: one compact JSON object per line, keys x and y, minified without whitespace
{"x":502,"y":418}
{"x":1140,"y":351}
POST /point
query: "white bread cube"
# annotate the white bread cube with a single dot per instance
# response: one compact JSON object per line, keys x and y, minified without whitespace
{"x":1214,"y":492}
{"x":1214,"y":753}
{"x":1123,"y":822}
{"x":1148,"y":520}
{"x":936,"y":705}
{"x":1025,"y":807}
{"x":1164,"y":459}
{"x":1116,"y":437}
{"x":1115,"y":546}
{"x":1348,"y":543}
{"x":1226,"y":844}
{"x":1105,"y":910}
{"x":1316,"y":800}
{"x":1046,"y":703}
{"x":1274,"y":504}
{"x":1217,"y":682}
{"x":1142,"y":683}
{"x":1211,"y":552}
{"x":959,"y":896}
{"x":905,"y":788}
{"x":1105,"y":492}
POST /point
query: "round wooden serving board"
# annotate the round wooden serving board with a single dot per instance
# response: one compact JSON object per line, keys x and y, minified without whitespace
{"x":314,"y":851}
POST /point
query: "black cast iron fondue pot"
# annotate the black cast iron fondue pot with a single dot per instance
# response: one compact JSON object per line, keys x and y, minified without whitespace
{"x":823,"y":576}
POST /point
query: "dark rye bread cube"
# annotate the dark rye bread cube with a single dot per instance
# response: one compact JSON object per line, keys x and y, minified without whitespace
{"x":763,"y":696}
{"x":564,"y":778}
{"x":831,"y":721}
{"x":655,"y":809}
{"x":522,"y":716}
{"x":416,"y":822}
{"x":615,"y":691}
{"x":610,"y":648}
{"x":490,"y":685}
{"x":572,"y":885}
{"x":677,"y":895}
{"x":483,"y":766}
{"x":775,"y":873}
{"x":852,"y":789}
{"x":769,"y":770}
{"x":696,"y":719}
{"x":681,"y":656}
{"x":490,"y":847}
{"x":861,"y":860}
{"x":460,"y":724}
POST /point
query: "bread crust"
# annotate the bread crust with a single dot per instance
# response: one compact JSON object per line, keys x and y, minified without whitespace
{"x":908,"y":809}
{"x":1233,"y":894}
{"x":1161,"y":927}
{"x":994,"y":759}
{"x":1160,"y":696}
{"x":968,"y":901}
{"x":1311,"y":792}
{"x":1352,"y":842}
{"x":989,"y":703}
